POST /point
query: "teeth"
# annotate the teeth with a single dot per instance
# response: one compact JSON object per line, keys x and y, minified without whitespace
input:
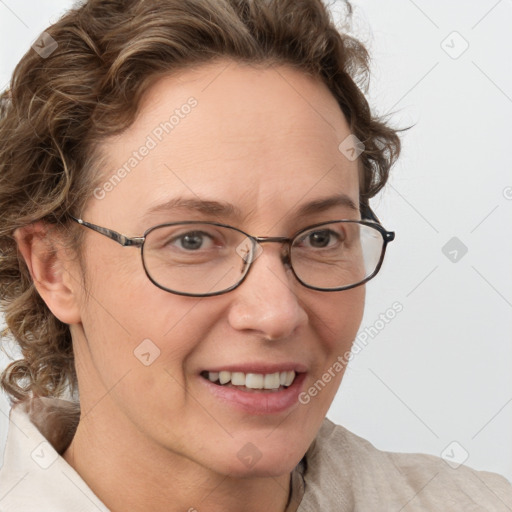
{"x":238,"y":379}
{"x":224,"y":377}
{"x":271,"y":381}
{"x":254,"y":380}
{"x":290,"y":376}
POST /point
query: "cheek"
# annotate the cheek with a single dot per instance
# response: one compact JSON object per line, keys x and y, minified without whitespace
{"x":131,"y":324}
{"x":138,"y":346}
{"x":337,"y":324}
{"x":339,"y":318}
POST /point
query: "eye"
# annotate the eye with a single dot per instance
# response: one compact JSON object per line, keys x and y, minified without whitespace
{"x":321,"y":238}
{"x":193,"y":241}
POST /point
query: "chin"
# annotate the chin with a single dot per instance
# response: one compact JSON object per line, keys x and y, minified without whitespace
{"x":249,"y":461}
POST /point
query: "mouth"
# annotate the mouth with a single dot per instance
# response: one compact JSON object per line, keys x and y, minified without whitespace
{"x":261,"y":389}
{"x":252,"y":382}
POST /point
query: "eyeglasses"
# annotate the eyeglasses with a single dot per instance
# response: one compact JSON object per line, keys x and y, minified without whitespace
{"x":202,"y":259}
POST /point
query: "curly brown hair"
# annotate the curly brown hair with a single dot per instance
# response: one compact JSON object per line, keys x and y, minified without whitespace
{"x":59,"y":107}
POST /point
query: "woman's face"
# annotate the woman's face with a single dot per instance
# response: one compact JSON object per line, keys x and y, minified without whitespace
{"x":266,"y":142}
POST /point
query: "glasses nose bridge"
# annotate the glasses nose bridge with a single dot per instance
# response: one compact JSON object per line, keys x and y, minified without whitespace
{"x":276,"y":239}
{"x":279,"y":239}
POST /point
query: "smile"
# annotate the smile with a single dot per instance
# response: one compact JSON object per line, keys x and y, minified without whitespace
{"x":268,"y":381}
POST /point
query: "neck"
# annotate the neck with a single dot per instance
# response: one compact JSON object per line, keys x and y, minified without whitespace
{"x":128,"y":472}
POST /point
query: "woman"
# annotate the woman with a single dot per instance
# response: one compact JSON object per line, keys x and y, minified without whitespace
{"x":228,"y":143}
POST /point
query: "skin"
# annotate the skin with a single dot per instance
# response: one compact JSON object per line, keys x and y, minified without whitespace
{"x":266,"y":140}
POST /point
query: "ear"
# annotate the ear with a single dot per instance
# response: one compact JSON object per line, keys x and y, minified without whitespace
{"x":50,"y":269}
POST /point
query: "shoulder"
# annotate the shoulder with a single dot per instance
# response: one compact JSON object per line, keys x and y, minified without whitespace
{"x":34,"y":476}
{"x":355,"y":474}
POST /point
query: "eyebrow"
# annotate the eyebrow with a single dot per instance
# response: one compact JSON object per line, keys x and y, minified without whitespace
{"x":230,"y":211}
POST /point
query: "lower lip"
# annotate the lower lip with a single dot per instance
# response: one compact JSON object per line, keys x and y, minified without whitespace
{"x":262,"y":402}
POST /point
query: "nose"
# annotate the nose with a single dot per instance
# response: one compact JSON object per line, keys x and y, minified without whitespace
{"x":267,"y":301}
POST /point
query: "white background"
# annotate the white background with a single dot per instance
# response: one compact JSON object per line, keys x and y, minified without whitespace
{"x":440,"y":371}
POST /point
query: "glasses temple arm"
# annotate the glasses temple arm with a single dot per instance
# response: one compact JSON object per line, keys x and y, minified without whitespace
{"x":368,"y":214}
{"x":113,"y":235}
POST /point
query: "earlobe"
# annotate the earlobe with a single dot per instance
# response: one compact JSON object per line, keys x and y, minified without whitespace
{"x":50,"y":270}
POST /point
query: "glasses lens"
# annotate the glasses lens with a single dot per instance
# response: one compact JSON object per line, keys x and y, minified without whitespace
{"x":196,"y":258}
{"x":337,"y":254}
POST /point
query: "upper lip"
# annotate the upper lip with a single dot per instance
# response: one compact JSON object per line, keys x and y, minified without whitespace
{"x":260,"y":367}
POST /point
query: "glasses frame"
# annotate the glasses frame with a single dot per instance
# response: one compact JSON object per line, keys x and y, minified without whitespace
{"x":139,"y":241}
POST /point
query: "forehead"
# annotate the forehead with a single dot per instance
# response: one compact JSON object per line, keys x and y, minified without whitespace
{"x":258,"y":137}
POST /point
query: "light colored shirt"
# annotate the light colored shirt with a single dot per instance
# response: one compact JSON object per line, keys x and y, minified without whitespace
{"x":340,"y":472}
